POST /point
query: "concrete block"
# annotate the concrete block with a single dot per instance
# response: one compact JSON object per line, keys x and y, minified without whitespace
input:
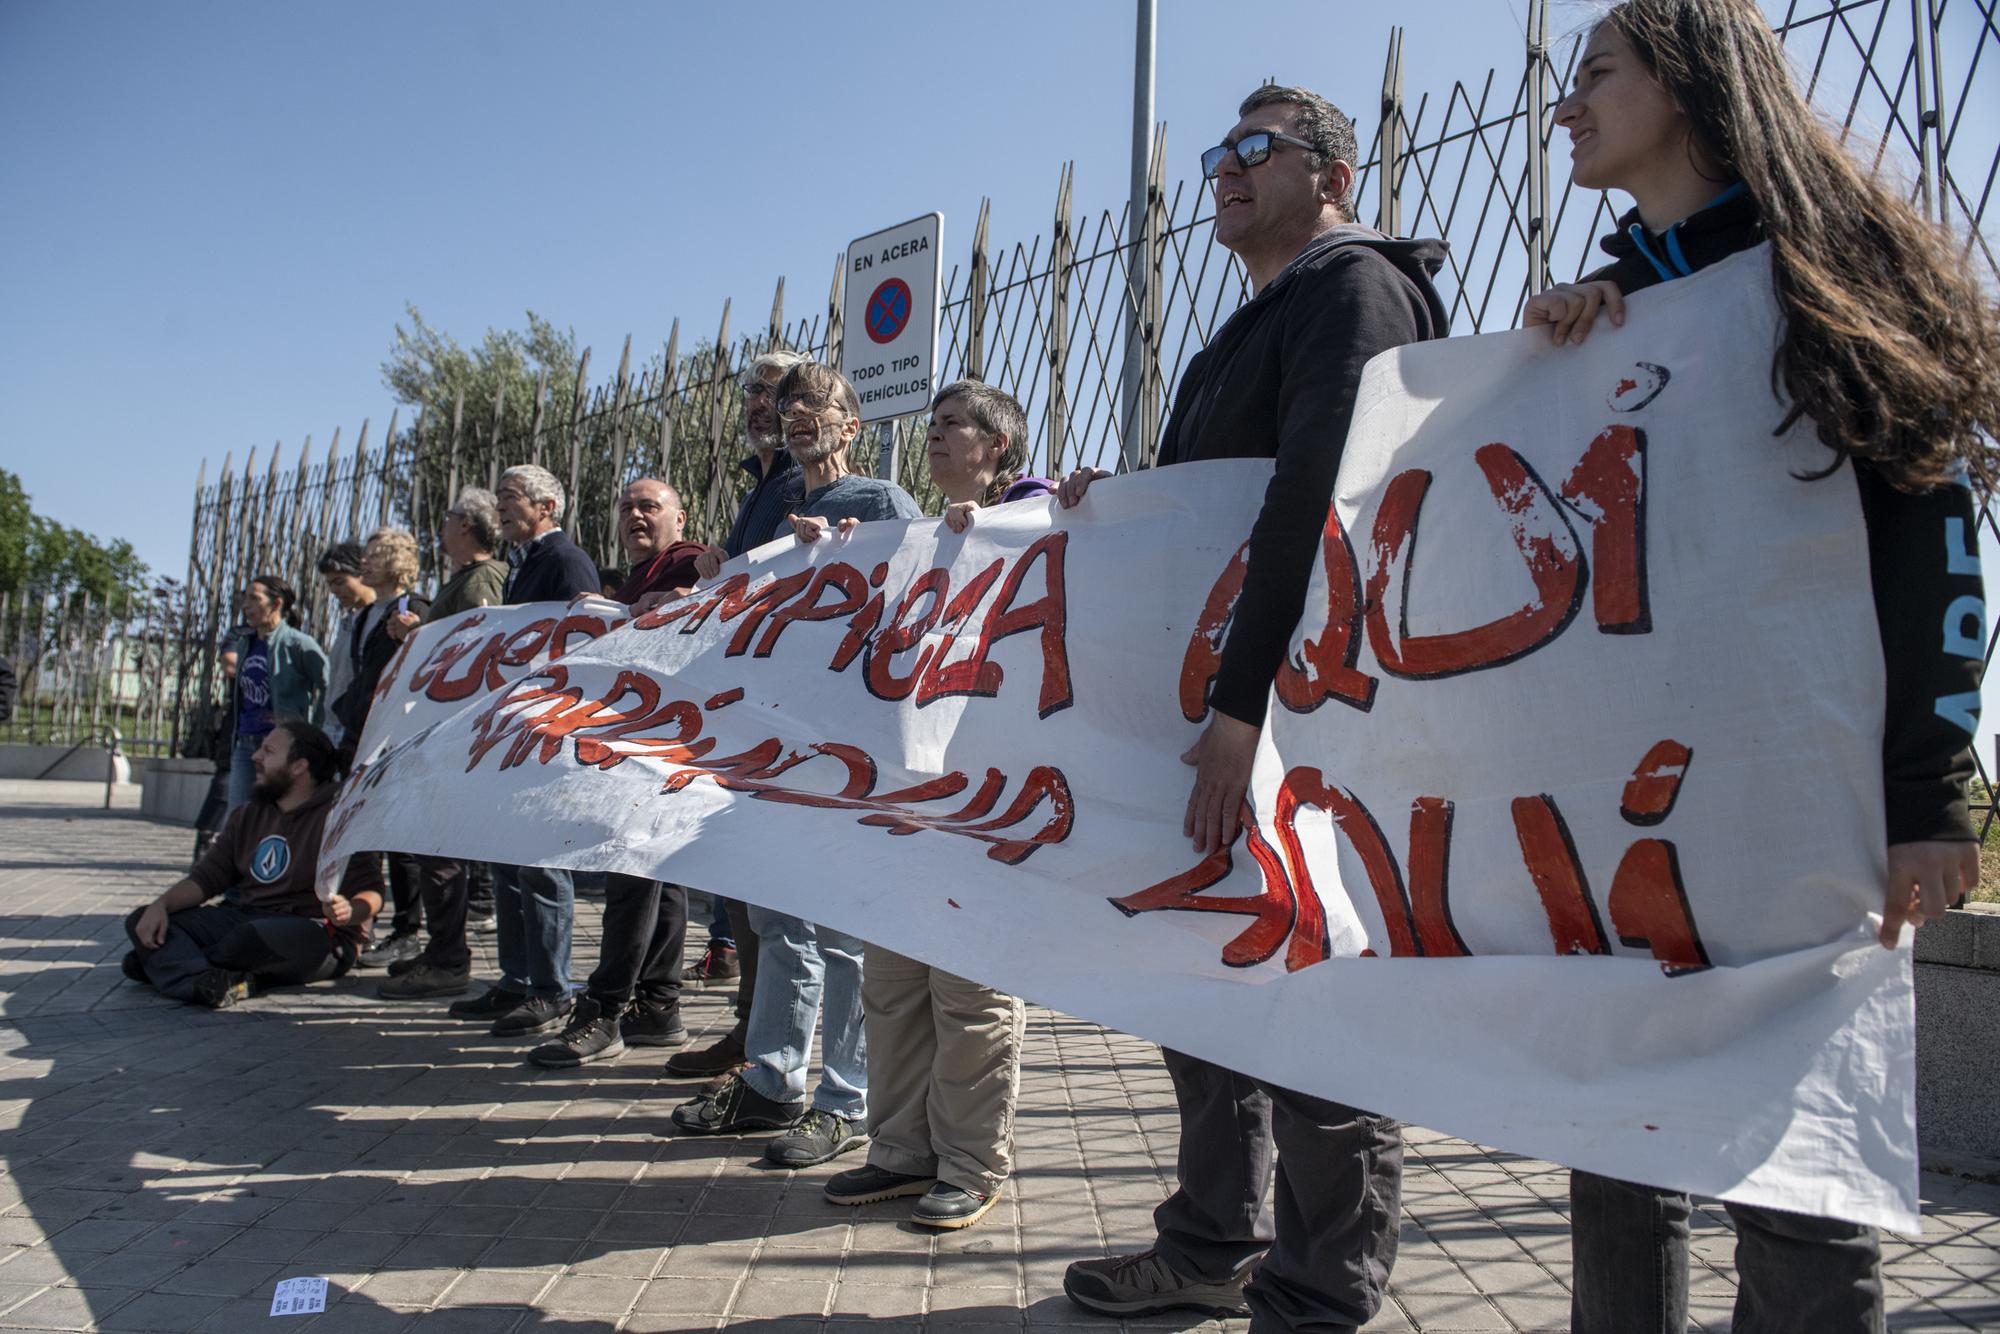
{"x":1958,"y":1014}
{"x":85,"y":764}
{"x":175,"y":789}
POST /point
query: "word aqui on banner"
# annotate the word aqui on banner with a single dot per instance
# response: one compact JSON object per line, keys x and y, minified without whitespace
{"x":1529,"y":858}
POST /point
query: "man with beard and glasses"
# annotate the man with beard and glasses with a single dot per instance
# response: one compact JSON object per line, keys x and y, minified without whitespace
{"x":1277,"y":381}
{"x":634,"y":996}
{"x":277,"y":932}
{"x":732,"y":945}
{"x":806,"y":969}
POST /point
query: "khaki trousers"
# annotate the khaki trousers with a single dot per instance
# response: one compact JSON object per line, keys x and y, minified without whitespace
{"x":944,"y":1072}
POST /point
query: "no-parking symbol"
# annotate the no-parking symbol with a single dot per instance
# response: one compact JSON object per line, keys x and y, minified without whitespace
{"x":889,"y":310}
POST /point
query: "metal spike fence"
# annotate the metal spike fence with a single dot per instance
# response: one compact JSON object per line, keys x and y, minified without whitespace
{"x":1046,"y":317}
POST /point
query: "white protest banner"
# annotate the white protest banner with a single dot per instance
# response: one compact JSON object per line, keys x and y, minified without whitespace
{"x":1567,"y":819}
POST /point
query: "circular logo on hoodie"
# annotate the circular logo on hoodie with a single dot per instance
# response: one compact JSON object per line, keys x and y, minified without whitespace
{"x":271,"y":860}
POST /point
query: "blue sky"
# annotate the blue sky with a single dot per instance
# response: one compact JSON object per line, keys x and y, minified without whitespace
{"x":216,"y":211}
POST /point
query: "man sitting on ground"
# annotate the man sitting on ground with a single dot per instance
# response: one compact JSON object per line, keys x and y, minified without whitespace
{"x":277,"y":932}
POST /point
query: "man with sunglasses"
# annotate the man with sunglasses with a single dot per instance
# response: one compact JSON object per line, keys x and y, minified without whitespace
{"x":1278,"y":382}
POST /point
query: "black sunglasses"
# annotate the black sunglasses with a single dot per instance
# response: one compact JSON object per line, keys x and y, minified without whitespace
{"x":1250,"y":150}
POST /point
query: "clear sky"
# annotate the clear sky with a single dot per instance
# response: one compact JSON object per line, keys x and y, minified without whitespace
{"x":215,"y":212}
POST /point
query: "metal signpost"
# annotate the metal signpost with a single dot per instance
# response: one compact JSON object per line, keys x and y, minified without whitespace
{"x":890,"y":313}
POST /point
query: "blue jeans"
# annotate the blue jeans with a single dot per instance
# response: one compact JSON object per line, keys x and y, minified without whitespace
{"x":719,"y":929}
{"x":803,"y":970}
{"x":1796,"y":1274}
{"x":242,"y":774}
{"x":533,"y":908}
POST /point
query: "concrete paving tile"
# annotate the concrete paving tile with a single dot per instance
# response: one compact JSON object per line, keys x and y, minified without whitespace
{"x":687,"y":1296}
{"x":500,"y":1287}
{"x":670,"y":1323}
{"x":410,"y":1287}
{"x":171,"y":1312}
{"x":221,"y":1277}
{"x":66,"y":1308}
{"x":771,"y":1297}
{"x":619,"y":1259}
{"x":530,"y":1252}
{"x":589,"y":1294}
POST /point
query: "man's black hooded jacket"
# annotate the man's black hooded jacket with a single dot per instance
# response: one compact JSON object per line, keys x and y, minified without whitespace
{"x":1277,"y":382}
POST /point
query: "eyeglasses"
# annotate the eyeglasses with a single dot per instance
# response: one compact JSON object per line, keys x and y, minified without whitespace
{"x":758,"y":388}
{"x":1250,"y":150}
{"x":803,"y":406}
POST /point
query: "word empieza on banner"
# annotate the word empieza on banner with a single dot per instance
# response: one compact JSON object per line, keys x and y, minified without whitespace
{"x":950,"y":630}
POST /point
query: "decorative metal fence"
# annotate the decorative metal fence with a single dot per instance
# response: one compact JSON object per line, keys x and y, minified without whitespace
{"x":1046,"y":318}
{"x":87,"y":668}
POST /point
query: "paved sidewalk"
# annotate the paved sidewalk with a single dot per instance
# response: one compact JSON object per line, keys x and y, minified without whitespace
{"x":166,"y":1166}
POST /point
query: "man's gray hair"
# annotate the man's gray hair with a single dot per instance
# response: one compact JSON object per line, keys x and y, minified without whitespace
{"x":1320,"y":123}
{"x":481,"y":513}
{"x":537,"y":484}
{"x":777,"y":359}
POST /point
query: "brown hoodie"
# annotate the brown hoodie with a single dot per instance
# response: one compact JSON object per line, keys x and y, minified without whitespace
{"x":269,"y":856}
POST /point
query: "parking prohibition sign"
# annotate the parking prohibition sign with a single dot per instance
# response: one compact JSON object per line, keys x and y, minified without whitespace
{"x":889,"y":310}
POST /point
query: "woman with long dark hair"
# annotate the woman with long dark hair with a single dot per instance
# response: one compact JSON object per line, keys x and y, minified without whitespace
{"x":1890,"y":350}
{"x":280,"y":673}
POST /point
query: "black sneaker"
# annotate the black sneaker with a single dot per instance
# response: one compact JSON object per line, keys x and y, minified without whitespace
{"x":646,"y":1025}
{"x":870,"y":1184}
{"x":401,"y":966}
{"x":486,"y":1008}
{"x":1145,"y":1283}
{"x":536,"y":1014}
{"x":707,"y":1062}
{"x":947,"y":1206}
{"x":592,"y":1035}
{"x":423,"y":979}
{"x":219,"y":988}
{"x":734,"y":1109}
{"x":403,"y":945}
{"x":818,"y":1137}
{"x":131,"y":966}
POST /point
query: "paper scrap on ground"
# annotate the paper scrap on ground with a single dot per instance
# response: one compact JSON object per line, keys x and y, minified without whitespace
{"x":299,"y":1296}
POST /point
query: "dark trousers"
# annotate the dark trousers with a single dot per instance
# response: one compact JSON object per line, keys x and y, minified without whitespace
{"x":746,"y":962}
{"x":441,"y":886}
{"x":1796,"y":1274}
{"x":279,"y":947}
{"x":534,"y":908}
{"x":406,"y":892}
{"x":1329,"y":1248}
{"x":478,"y":889}
{"x":645,"y":935}
{"x":719,"y":929}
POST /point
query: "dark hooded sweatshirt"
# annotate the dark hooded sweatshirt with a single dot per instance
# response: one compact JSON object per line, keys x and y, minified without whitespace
{"x":270,"y":857}
{"x":1923,"y":560}
{"x":1277,"y":382}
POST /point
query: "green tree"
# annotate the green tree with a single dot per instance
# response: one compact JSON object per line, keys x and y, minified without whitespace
{"x":43,"y":558}
{"x":428,"y":368}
